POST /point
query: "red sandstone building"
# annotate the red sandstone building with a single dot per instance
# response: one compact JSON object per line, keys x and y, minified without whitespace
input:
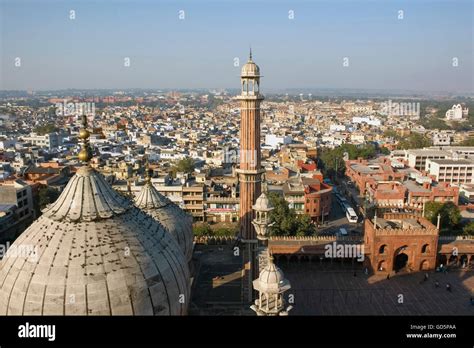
{"x":309,"y":196}
{"x":317,"y":197}
{"x":387,"y":182}
{"x":395,"y":242}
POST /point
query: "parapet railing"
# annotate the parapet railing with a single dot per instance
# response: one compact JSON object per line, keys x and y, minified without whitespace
{"x":232,"y":239}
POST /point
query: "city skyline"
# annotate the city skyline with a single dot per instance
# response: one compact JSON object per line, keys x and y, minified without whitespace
{"x":90,"y":51}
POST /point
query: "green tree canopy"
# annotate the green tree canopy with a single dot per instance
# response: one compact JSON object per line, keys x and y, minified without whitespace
{"x":202,"y":230}
{"x":45,"y":129}
{"x":468,"y":230}
{"x":333,"y":159}
{"x":186,"y":165}
{"x":414,"y":141}
{"x":449,"y":212}
{"x":47,"y":195}
{"x":286,"y":221}
{"x":468,"y":142}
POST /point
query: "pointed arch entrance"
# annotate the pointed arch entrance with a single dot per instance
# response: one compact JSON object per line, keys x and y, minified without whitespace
{"x":400,"y":258}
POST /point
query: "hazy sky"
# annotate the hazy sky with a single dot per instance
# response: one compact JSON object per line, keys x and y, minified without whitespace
{"x":165,"y":51}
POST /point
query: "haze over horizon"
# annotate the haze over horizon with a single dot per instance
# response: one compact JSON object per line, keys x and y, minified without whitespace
{"x":166,"y":52}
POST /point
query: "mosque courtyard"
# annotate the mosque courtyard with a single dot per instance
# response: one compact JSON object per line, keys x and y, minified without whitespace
{"x":318,"y":291}
{"x":331,"y":289}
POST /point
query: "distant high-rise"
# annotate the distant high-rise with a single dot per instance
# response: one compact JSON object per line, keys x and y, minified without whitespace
{"x":249,"y":171}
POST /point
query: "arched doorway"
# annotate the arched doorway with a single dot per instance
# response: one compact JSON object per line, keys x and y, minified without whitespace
{"x":424,"y":265}
{"x":382,"y":266}
{"x":400,"y":260}
{"x":425,"y":249}
{"x":463,"y":260}
{"x":442,"y":260}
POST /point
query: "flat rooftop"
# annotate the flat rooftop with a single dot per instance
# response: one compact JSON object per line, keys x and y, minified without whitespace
{"x":398,"y":224}
{"x":453,"y":162}
{"x":414,"y":187}
{"x":429,"y":152}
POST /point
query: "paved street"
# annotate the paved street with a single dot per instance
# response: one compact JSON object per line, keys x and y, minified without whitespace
{"x":337,"y":220}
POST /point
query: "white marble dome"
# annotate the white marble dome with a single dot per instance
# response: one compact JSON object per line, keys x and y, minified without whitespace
{"x":271,"y":279}
{"x":94,"y":253}
{"x":174,"y":219}
{"x":250,"y":69}
{"x":263,"y":203}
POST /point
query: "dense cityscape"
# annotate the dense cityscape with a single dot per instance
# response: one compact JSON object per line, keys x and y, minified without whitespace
{"x":328,"y":163}
{"x":254,"y":198}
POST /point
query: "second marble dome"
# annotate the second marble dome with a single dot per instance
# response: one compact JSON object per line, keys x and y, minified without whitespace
{"x":175,"y":220}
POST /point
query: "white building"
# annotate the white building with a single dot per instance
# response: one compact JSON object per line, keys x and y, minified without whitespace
{"x":337,"y":128}
{"x":441,"y":139}
{"x":371,"y":121}
{"x":457,"y":112}
{"x":18,"y":193}
{"x":49,"y":141}
{"x":417,"y":157}
{"x":450,"y":170}
{"x":275,"y":141}
{"x":357,"y":138}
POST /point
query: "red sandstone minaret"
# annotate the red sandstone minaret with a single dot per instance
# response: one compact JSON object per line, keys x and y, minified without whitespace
{"x":249,"y":170}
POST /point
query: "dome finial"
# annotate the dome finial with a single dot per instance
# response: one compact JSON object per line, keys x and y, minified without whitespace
{"x":270,"y":256}
{"x":85,"y":155}
{"x":250,"y":54}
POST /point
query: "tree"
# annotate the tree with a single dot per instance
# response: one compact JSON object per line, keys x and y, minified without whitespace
{"x":45,"y":129}
{"x":286,"y":221}
{"x":432,"y":210}
{"x":47,"y":195}
{"x":305,"y":226}
{"x":185,"y":165}
{"x":202,"y":230}
{"x":434,"y":123}
{"x":449,"y":212}
{"x":468,"y":142}
{"x":468,"y":230}
{"x":225,"y":231}
{"x":414,"y":141}
{"x":332,"y":160}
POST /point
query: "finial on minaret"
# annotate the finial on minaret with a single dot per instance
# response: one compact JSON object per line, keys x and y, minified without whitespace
{"x":85,"y":155}
{"x":250,"y":54}
{"x":270,"y":255}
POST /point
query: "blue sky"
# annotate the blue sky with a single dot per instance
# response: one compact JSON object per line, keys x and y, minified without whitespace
{"x":384,"y":52}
